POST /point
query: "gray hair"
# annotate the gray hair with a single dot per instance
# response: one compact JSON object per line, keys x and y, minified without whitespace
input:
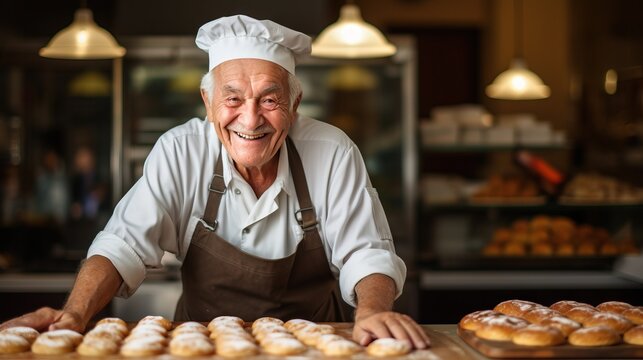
{"x":207,"y":85}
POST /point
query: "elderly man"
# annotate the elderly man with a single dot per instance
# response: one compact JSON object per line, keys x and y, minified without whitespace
{"x":267,"y":210}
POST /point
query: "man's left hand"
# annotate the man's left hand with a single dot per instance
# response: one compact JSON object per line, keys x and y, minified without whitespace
{"x":389,"y":324}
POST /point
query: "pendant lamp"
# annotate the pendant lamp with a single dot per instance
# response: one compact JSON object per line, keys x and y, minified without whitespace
{"x":83,"y":39}
{"x":518,"y":82}
{"x":351,"y":38}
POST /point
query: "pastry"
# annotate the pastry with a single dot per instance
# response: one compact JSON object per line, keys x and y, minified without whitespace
{"x":158,"y":320}
{"x":267,"y":319}
{"x":473,"y":320}
{"x":500,"y":328}
{"x":191,"y":344}
{"x":581,"y":313}
{"x":190,"y":327}
{"x":283,"y":347}
{"x":634,"y":315}
{"x":56,"y":342}
{"x":388,"y":347}
{"x":225,"y":320}
{"x":564,"y":306}
{"x":538,"y":314}
{"x":28,"y":333}
{"x":613,"y":321}
{"x":97,"y":347}
{"x":12,"y":343}
{"x":538,"y":335}
{"x":103,"y":334}
{"x":266,"y":337}
{"x":326,"y":338}
{"x":309,"y":334}
{"x":113,"y":327}
{"x":294,"y":324}
{"x":112,"y":320}
{"x":236,"y":347}
{"x":515,"y":307}
{"x":565,"y":325}
{"x":594,"y":336}
{"x":231,"y":331}
{"x":142,"y":346}
{"x":634,"y":335}
{"x":148,"y":328}
{"x":341,"y":347}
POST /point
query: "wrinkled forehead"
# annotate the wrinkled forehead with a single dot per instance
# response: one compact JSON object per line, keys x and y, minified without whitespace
{"x":250,"y":72}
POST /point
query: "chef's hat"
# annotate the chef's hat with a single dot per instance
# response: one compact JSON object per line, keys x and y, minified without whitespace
{"x":242,"y":37}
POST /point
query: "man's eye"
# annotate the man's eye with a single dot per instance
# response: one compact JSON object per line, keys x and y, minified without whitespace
{"x":269,"y":103}
{"x":233,"y":101}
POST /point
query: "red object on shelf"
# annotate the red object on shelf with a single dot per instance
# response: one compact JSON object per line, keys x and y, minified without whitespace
{"x":550,"y":177}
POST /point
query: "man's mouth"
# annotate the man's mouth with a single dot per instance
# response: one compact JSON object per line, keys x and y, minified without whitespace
{"x":250,"y":137}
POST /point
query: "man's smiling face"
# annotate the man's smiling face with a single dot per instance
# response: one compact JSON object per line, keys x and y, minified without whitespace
{"x":250,"y":110}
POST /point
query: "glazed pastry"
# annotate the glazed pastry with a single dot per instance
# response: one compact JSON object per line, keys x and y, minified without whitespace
{"x":28,"y":333}
{"x":388,"y":347}
{"x":538,"y":335}
{"x":12,"y":343}
{"x":594,"y":336}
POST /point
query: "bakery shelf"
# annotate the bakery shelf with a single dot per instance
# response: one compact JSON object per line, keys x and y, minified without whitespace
{"x":462,"y":148}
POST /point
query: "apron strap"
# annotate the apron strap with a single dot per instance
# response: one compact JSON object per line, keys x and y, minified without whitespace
{"x":306,"y":215}
{"x":216,"y":189}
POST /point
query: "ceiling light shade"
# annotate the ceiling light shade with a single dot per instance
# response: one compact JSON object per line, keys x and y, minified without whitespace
{"x":351,"y":38}
{"x":83,"y":39}
{"x":518,"y":83}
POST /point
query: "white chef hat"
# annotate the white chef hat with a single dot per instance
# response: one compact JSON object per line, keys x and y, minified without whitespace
{"x":242,"y":37}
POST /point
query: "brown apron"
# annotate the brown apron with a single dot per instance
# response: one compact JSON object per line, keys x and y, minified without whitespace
{"x":219,"y":279}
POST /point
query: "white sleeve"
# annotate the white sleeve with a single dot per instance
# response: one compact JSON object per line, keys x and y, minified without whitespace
{"x":142,"y":226}
{"x":357,"y":229}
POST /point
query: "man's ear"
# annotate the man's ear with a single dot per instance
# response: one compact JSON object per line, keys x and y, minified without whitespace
{"x":205,"y":98}
{"x":296,"y":104}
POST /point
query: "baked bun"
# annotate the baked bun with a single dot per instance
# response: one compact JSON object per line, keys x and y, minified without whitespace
{"x":191,"y":344}
{"x":564,"y":306}
{"x":581,"y":313}
{"x":341,"y":347}
{"x":266,"y":319}
{"x":293,"y":324}
{"x":538,"y":335}
{"x":112,"y":320}
{"x":97,"y":347}
{"x":614,"y":306}
{"x":158,"y":320}
{"x":538,"y":314}
{"x":613,"y":321}
{"x":12,"y":343}
{"x":56,"y":342}
{"x":500,"y":328}
{"x":385,"y":347}
{"x":103,"y":334}
{"x":142,"y":346}
{"x":190,"y":327}
{"x":473,"y":320}
{"x":515,"y":307}
{"x":565,"y":325}
{"x":594,"y":336}
{"x":235,"y":347}
{"x":634,"y":315}
{"x":283,"y":347}
{"x":225,"y":320}
{"x":310,"y":334}
{"x":28,"y":333}
{"x":113,"y":327}
{"x":634,"y":335}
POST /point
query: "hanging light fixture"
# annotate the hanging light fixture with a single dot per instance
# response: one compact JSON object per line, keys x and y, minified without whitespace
{"x":518,"y":82}
{"x":83,"y":39}
{"x":351,"y":38}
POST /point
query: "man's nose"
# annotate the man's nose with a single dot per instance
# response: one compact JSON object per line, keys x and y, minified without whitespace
{"x":250,"y":115}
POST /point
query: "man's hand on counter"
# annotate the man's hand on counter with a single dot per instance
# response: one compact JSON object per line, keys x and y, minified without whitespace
{"x":373,"y":316}
{"x":45,"y":319}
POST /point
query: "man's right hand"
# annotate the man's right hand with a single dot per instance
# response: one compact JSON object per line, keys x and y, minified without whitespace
{"x":46,"y":319}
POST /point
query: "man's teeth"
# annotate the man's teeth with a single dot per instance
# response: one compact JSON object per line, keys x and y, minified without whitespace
{"x":249,"y":137}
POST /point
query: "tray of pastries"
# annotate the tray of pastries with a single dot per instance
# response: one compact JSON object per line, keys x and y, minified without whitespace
{"x":555,"y":236}
{"x":223,"y":337}
{"x":566,"y":329}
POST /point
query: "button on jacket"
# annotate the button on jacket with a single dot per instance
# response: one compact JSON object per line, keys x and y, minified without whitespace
{"x":162,"y":209}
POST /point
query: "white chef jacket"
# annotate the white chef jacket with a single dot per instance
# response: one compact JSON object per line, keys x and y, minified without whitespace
{"x":160,"y":212}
